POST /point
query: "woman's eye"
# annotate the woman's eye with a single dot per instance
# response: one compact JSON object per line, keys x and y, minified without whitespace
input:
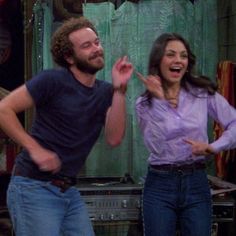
{"x":169,"y":54}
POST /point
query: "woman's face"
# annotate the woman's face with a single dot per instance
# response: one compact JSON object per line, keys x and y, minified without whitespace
{"x":174,"y":62}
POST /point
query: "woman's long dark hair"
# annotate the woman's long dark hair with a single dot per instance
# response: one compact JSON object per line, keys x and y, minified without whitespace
{"x":156,"y":55}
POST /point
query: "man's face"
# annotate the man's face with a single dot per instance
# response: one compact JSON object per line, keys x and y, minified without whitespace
{"x":88,"y":53}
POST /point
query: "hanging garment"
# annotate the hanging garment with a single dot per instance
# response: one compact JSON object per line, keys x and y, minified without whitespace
{"x":225,"y":80}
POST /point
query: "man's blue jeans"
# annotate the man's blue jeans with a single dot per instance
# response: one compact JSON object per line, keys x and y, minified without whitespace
{"x":173,"y":198}
{"x":40,"y":209}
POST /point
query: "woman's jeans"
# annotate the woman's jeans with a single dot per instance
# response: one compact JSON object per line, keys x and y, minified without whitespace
{"x":40,"y":209}
{"x":176,"y":198}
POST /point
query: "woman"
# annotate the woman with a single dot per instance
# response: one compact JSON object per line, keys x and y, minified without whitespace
{"x":173,"y":116}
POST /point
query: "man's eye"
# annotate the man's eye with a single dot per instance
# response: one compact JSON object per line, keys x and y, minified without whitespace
{"x":86,"y":45}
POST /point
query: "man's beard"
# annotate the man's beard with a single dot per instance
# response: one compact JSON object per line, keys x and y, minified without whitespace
{"x":87,"y":67}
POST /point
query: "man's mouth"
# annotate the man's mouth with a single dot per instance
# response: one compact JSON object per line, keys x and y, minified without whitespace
{"x":96,"y":56}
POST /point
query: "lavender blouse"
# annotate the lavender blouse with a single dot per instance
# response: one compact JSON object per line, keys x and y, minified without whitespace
{"x":164,"y":128}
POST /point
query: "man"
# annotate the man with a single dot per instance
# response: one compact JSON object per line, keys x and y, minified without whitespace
{"x":71,"y":109}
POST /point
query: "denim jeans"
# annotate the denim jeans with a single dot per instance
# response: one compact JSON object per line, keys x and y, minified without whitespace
{"x":40,"y":209}
{"x":172,"y":198}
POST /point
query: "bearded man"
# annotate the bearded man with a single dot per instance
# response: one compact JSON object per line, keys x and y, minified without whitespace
{"x":71,"y":108}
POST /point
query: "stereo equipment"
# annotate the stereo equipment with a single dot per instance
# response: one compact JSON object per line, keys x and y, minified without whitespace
{"x":111,"y":199}
{"x":116,"y":199}
{"x":223,"y":216}
{"x":223,"y":209}
{"x":114,"y":206}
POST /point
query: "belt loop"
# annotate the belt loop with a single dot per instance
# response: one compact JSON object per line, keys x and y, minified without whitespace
{"x":13,"y":170}
{"x":180,"y":172}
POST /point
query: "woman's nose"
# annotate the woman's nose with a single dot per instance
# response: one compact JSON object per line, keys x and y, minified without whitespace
{"x":178,"y":57}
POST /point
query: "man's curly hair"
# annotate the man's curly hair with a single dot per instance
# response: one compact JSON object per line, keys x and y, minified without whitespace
{"x":61,"y":46}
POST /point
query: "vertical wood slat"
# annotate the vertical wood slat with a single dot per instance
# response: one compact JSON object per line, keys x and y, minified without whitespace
{"x":28,"y":38}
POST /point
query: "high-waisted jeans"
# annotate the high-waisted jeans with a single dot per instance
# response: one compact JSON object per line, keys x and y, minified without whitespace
{"x":176,"y":198}
{"x":39,"y":208}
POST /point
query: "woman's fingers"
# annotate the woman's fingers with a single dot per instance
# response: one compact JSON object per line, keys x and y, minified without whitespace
{"x":140,"y":76}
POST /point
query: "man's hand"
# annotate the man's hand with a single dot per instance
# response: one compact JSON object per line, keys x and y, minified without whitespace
{"x":152,"y":84}
{"x":121,"y":72}
{"x":46,"y":159}
{"x":200,"y":148}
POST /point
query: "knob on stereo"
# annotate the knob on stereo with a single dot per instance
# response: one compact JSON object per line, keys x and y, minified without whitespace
{"x":124,"y":203}
{"x":112,"y":217}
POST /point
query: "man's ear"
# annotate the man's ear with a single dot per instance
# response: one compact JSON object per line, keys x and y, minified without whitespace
{"x":69,"y":59}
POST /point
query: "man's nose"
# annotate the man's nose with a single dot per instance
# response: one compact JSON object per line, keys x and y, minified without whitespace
{"x":96,"y":46}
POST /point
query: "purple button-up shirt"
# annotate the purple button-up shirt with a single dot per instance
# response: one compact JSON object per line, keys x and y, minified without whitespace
{"x":164,"y":128}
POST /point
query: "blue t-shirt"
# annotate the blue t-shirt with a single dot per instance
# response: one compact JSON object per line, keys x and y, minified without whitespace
{"x":68,"y":117}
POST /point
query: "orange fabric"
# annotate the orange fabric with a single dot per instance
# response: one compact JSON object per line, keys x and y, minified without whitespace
{"x":225,"y":82}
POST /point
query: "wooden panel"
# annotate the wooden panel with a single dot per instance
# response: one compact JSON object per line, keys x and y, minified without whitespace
{"x":223,"y":8}
{"x":232,"y":30}
{"x":28,"y":36}
{"x":233,"y":7}
{"x":226,"y":29}
{"x":64,"y":9}
{"x":223,"y":31}
{"x":232,"y":53}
